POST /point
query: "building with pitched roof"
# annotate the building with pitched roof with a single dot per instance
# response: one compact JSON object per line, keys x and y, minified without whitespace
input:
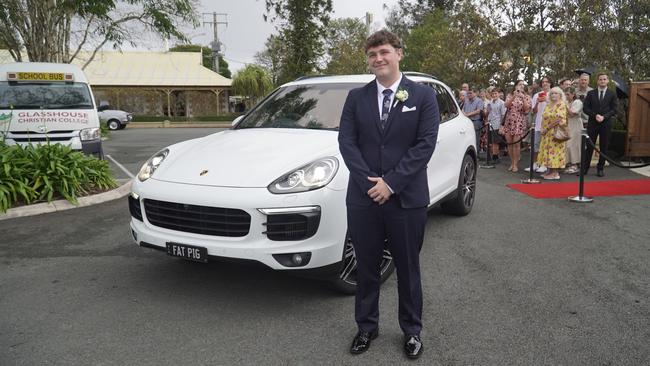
{"x":154,"y":83}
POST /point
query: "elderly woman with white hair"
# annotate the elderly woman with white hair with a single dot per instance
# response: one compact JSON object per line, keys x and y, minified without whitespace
{"x":552,"y":151}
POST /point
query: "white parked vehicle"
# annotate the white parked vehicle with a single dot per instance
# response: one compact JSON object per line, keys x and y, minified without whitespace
{"x":48,"y":103}
{"x":115,"y":119}
{"x":272,"y":189}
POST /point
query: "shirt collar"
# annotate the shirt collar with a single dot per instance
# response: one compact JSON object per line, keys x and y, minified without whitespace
{"x":381,"y":88}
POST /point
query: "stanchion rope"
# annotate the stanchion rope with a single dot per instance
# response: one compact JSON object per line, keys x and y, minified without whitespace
{"x":515,"y":142}
{"x":614,"y":162}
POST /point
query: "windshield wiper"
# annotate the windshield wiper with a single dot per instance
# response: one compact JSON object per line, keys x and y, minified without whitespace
{"x":19,"y":106}
{"x":70,"y":106}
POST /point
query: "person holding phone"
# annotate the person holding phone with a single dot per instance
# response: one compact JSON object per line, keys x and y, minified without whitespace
{"x":518,"y":104}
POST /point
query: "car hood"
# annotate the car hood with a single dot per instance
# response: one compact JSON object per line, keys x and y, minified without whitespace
{"x":245,"y":158}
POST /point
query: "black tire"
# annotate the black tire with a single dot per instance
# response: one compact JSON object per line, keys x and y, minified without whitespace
{"x":113,"y":125}
{"x":463,"y":201}
{"x":122,"y":126}
{"x":346,"y":280}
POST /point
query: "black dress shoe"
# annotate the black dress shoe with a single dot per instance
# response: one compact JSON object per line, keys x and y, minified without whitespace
{"x":600,"y":172}
{"x":361,"y":341}
{"x":413,"y":346}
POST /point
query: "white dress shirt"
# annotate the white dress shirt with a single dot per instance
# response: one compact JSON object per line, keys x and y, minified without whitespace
{"x":380,"y":93}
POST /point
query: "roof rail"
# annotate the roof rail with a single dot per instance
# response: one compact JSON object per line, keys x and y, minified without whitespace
{"x":310,"y":77}
{"x":415,"y":73}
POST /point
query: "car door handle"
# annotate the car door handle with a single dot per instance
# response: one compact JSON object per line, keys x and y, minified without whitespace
{"x":462,"y":131}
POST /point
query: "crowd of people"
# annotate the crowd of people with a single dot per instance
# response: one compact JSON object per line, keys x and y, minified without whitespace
{"x":558,"y":113}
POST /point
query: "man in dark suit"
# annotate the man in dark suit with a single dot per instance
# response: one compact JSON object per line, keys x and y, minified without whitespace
{"x":600,"y":106}
{"x":387,"y":134}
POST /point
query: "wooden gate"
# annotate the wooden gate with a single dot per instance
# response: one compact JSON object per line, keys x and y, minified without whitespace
{"x":637,"y":143}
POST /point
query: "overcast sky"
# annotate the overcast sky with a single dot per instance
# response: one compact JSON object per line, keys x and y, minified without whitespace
{"x":247,"y":31}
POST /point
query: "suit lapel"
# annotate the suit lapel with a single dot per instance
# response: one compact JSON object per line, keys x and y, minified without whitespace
{"x":373,"y":106}
{"x":394,"y":111}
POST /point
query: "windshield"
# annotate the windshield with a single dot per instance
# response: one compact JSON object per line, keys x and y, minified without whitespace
{"x":315,"y":106}
{"x":44,"y":96}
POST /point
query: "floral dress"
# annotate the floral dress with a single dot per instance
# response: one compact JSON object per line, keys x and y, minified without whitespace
{"x":552,"y":154}
{"x":515,"y":123}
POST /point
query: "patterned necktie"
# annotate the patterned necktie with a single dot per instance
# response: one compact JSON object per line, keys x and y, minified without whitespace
{"x":385,"y":107}
{"x":601,"y":95}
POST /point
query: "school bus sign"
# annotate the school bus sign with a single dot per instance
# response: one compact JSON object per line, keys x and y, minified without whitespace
{"x":39,"y":76}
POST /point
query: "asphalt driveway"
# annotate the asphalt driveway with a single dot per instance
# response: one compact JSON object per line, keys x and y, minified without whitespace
{"x":519,"y":281}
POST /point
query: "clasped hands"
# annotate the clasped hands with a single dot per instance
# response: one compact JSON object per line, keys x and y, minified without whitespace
{"x":599,"y":118}
{"x":380,"y":192}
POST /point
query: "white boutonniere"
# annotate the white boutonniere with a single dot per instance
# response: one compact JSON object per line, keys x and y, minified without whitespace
{"x":401,"y":96}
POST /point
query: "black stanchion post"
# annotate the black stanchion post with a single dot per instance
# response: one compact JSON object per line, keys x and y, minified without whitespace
{"x":530,"y":179}
{"x":581,"y":190}
{"x":488,"y":155}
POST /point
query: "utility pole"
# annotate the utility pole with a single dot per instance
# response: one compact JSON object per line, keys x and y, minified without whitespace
{"x":369,"y":19}
{"x":216,"y":44}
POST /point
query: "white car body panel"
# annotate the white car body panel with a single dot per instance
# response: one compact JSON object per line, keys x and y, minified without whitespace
{"x":242,"y":163}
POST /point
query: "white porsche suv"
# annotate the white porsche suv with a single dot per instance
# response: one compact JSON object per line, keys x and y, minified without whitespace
{"x":272,"y":188}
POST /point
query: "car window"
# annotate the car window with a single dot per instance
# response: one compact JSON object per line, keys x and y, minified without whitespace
{"x":313,"y":106}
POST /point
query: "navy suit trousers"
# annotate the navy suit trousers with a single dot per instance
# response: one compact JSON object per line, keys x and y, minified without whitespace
{"x":370,"y":227}
{"x":602,"y":132}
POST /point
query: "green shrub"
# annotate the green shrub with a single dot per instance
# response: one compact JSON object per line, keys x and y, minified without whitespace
{"x":46,"y":172}
{"x":103,"y":128}
{"x":14,"y":181}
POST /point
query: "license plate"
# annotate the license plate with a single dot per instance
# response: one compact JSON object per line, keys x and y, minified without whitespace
{"x":189,"y":252}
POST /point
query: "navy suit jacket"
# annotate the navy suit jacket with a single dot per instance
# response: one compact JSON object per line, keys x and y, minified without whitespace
{"x":399,"y":153}
{"x":593,"y":106}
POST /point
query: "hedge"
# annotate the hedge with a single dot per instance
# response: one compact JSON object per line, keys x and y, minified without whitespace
{"x":46,"y":172}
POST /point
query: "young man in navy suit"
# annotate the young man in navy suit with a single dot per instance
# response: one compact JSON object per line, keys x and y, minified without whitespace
{"x":387,"y":135}
{"x":600,"y":105}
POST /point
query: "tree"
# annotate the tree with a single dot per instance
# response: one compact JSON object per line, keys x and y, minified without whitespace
{"x":406,"y":15}
{"x":345,"y":47}
{"x":224,"y":68}
{"x":303,"y":25}
{"x":206,"y":53}
{"x":273,"y":56}
{"x":470,"y":59}
{"x":57,"y":30}
{"x":253,"y":82}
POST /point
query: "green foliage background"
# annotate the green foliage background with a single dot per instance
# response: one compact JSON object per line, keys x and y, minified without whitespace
{"x":45,"y":172}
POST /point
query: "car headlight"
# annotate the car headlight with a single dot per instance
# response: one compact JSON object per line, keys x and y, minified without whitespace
{"x":309,"y":177}
{"x":89,"y":134}
{"x":152,"y":164}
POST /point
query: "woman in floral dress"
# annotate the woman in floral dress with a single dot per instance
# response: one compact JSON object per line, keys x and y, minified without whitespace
{"x":552,"y":153}
{"x":518,"y":104}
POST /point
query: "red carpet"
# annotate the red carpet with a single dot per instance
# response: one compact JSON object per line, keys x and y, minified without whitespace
{"x":592,"y":189}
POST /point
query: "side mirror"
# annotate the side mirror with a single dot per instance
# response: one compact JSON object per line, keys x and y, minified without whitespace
{"x":236,"y":121}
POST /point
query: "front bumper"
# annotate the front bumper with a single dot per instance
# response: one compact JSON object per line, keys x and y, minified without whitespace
{"x":325,"y":246}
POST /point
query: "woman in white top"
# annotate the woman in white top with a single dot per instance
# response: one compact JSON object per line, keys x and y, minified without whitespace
{"x":574,"y":109}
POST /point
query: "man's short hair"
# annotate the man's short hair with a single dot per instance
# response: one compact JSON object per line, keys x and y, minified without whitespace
{"x":383,"y":37}
{"x":585,"y":74}
{"x":602,"y":73}
{"x":547,"y":78}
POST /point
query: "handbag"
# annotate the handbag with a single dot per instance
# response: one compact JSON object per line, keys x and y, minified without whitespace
{"x":561,"y":134}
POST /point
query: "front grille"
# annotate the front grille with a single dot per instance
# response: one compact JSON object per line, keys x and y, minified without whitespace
{"x":283,"y":227}
{"x":40,"y":139}
{"x":39,"y":133}
{"x":204,"y":220}
{"x":134,"y":208}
